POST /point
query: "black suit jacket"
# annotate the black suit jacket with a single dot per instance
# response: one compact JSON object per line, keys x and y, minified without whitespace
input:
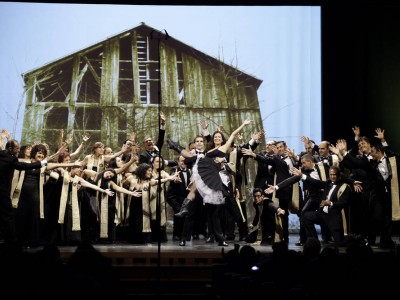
{"x":145,"y":156}
{"x":282,"y":173}
{"x":8,"y":164}
{"x":177,"y":191}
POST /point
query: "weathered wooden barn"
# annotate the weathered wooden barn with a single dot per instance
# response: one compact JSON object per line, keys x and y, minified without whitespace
{"x":118,"y":86}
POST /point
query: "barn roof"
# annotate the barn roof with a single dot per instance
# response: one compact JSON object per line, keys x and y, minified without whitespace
{"x":146,"y":30}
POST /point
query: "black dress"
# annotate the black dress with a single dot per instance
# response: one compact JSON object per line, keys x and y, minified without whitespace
{"x":28,"y":223}
{"x":207,"y":178}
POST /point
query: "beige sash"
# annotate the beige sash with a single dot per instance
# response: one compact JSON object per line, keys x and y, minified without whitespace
{"x":132,"y":184}
{"x":321,"y":168}
{"x":278,"y":236}
{"x":340,"y":192}
{"x":16,"y":186}
{"x":90,"y":163}
{"x":153,"y":200}
{"x":394,"y":183}
{"x":64,"y":197}
{"x":146,"y":206}
{"x":232,"y":166}
{"x":335,"y":161}
{"x":76,"y":219}
{"x":294,"y":204}
{"x":119,"y":203}
{"x":76,"y":224}
{"x":41,"y":184}
{"x":104,"y":214}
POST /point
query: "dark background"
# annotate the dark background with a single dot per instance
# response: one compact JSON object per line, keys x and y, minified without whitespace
{"x":361,"y":69}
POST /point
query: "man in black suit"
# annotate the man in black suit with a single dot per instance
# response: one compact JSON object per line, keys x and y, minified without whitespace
{"x":387,"y":181}
{"x":176,"y":193}
{"x":336,"y":197}
{"x":8,"y":163}
{"x":313,"y":193}
{"x":192,"y":210}
{"x":152,"y":150}
{"x":282,"y":163}
{"x":264,"y":177}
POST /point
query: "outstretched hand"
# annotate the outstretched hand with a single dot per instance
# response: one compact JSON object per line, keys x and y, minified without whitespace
{"x":270,"y":189}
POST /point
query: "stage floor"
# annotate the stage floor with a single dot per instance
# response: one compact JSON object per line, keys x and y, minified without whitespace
{"x":170,"y":252}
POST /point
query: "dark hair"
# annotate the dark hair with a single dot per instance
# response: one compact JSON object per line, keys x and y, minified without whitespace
{"x":38,"y":148}
{"x":141,"y":170}
{"x":22,"y":149}
{"x":113,"y":163}
{"x":258,"y":190}
{"x":162,"y":164}
{"x":62,"y":156}
{"x":104,"y":181}
{"x":211,"y":143}
{"x":378,"y":147}
{"x":283,"y":142}
{"x":198,"y":136}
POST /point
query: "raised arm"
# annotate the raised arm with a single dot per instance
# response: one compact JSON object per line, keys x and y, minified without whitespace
{"x":78,"y":150}
{"x":227,"y":145}
{"x":117,"y":188}
{"x":89,"y":185}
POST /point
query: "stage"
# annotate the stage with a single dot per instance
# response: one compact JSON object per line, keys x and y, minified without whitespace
{"x":170,"y":271}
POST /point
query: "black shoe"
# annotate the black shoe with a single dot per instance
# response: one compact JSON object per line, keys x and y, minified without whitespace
{"x":223,"y":244}
{"x":183,"y":213}
{"x":182,"y":243}
{"x":184,"y":209}
{"x":174,"y":146}
{"x":210,"y":240}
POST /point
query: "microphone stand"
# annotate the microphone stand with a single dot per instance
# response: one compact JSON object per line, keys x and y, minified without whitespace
{"x":159,"y":189}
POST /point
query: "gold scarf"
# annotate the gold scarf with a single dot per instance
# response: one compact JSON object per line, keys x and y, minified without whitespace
{"x":16,"y":186}
{"x":104,"y":214}
{"x":76,"y":226}
{"x":344,"y":221}
{"x":321,"y":168}
{"x":41,"y":183}
{"x":153,"y":200}
{"x":100,"y":164}
{"x":394,"y":183}
{"x":119,"y":203}
{"x":146,"y":207}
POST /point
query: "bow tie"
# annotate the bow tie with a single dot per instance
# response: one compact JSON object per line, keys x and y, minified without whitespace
{"x":183,"y":170}
{"x":284,"y":157}
{"x":199,"y":152}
